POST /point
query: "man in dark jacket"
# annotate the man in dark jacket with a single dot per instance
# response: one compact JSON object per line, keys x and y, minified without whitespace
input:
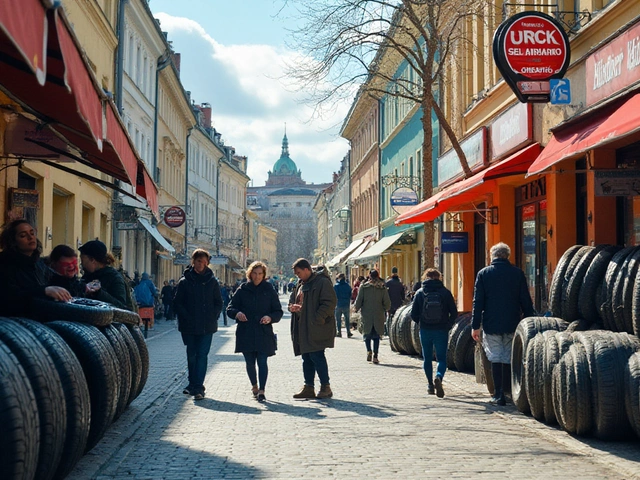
{"x":313,"y":326}
{"x":435,"y":310}
{"x":396,"y":294}
{"x":198,"y":303}
{"x":500,"y":299}
{"x":343,"y":294}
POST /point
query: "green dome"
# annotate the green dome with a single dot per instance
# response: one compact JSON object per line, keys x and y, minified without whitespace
{"x":284,"y":165}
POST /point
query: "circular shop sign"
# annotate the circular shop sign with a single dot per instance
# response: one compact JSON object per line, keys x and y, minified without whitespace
{"x":174,"y":217}
{"x":535,"y":46}
{"x":403,"y":199}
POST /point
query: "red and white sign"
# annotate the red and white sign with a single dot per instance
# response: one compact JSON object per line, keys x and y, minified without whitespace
{"x":535,"y":47}
{"x":174,"y":217}
{"x":614,"y":67}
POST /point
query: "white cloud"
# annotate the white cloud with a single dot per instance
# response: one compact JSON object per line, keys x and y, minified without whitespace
{"x":245,"y":86}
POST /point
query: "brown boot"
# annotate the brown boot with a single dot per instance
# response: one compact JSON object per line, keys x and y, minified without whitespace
{"x":306,"y":392}
{"x":325,"y":392}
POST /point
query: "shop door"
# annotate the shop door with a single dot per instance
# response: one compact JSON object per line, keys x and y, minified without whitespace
{"x":532,"y":251}
{"x":479,"y":243}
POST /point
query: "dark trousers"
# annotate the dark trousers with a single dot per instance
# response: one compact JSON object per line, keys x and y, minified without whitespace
{"x":167,"y":311}
{"x":251,"y":358}
{"x":313,"y":362}
{"x":198,"y":347}
{"x":368,"y":337}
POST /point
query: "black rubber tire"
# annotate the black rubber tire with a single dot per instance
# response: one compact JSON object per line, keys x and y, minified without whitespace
{"x":635,"y":306}
{"x":47,"y":387}
{"x":533,"y":372}
{"x":405,"y":335}
{"x":83,"y":310}
{"x":121,"y":350}
{"x":556,"y":344}
{"x":557,"y":281}
{"x":144,"y":357}
{"x":134,"y":359}
{"x":573,"y":278}
{"x":454,"y":335}
{"x":592,"y":280}
{"x":617,"y":293}
{"x":393,"y":336}
{"x":526,"y":330}
{"x":100,"y":368}
{"x":606,"y":292}
{"x":627,"y":292}
{"x":20,"y":439}
{"x":609,"y":414}
{"x":486,"y":367}
{"x":76,"y":392}
{"x":127,"y":317}
{"x":571,"y":387}
{"x":580,"y":325}
{"x":463,"y":346}
{"x":632,"y":392}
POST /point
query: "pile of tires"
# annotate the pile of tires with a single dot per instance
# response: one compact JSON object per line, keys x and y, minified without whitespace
{"x":586,"y":381}
{"x":404,"y":334}
{"x":461,"y":346}
{"x":600,"y":286}
{"x":62,"y":384}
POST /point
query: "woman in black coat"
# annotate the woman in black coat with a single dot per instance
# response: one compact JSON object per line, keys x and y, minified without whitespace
{"x":255,"y":306}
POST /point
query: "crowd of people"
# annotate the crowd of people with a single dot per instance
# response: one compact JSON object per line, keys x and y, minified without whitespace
{"x":318,"y":306}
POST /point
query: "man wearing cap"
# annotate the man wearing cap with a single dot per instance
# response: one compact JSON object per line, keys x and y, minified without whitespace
{"x":104,"y":282}
{"x":396,"y":294}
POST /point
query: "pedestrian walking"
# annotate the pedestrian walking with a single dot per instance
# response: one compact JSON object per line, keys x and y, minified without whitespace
{"x":435,"y":310}
{"x":166,"y":295}
{"x":313,"y":326}
{"x":198,"y":303}
{"x":255,"y":307}
{"x":104,"y":282}
{"x":145,"y":292}
{"x":396,"y":294}
{"x":225,"y":290}
{"x":343,"y":295}
{"x":373,"y":299}
{"x":500,"y":299}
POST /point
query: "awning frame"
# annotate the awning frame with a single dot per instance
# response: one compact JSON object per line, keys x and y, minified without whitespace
{"x":155,"y":233}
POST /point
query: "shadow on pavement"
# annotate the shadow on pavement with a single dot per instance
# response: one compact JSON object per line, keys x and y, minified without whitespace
{"x":294,"y":410}
{"x":359,"y":408}
{"x":391,"y":365}
{"x":221,"y":406}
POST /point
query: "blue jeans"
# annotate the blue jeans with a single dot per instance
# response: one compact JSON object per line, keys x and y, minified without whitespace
{"x":340,"y":311}
{"x":372,"y":335}
{"x":198,"y":347}
{"x":313,"y":362}
{"x":439,"y":340}
{"x":251,"y":358}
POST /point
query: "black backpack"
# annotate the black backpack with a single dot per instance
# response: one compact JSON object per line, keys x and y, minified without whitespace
{"x":432,"y":308}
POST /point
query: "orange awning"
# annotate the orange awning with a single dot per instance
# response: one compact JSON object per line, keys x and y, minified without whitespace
{"x":61,"y":90}
{"x":466,"y":191}
{"x":599,"y":128}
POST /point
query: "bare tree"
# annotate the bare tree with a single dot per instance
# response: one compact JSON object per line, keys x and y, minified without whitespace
{"x":362,"y":43}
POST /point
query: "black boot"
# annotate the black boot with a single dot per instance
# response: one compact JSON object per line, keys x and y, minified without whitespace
{"x":496,"y":372}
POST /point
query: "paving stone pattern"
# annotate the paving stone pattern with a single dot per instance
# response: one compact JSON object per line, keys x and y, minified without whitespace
{"x":380,"y":424}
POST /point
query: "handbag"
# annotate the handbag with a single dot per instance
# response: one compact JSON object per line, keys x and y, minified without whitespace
{"x":275,"y":340}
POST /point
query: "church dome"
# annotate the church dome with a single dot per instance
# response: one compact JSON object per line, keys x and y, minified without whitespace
{"x":284,"y":165}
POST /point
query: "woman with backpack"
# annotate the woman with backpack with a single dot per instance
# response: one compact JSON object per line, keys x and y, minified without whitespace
{"x":435,"y":310}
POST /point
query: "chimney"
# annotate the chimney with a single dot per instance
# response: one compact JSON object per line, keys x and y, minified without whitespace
{"x":176,"y":61}
{"x":205,"y":108}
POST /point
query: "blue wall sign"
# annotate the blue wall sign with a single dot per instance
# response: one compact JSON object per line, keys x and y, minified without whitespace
{"x":455,"y":242}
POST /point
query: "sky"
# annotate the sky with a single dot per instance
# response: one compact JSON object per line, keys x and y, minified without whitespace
{"x":232,"y":56}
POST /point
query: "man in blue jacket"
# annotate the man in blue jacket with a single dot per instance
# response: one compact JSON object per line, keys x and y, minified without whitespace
{"x":343,"y":292}
{"x":500,"y":300}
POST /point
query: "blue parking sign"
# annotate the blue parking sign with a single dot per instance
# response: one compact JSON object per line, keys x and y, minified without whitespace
{"x":560,"y":91}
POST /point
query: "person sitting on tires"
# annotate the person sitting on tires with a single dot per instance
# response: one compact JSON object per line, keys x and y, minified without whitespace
{"x":104,"y":282}
{"x":500,"y":299}
{"x":24,"y":273}
{"x":63,"y":262}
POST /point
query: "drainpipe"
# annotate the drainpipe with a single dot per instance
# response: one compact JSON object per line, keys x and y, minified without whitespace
{"x":218,"y":207}
{"x":120,"y":31}
{"x":186,"y":190}
{"x":163,"y":62}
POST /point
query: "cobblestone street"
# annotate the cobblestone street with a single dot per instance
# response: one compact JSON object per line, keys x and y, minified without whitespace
{"x":380,"y":424}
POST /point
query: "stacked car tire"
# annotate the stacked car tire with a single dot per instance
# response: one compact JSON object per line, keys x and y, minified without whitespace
{"x":62,"y":384}
{"x":582,"y":369}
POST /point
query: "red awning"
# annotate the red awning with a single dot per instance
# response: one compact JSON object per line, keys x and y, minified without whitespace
{"x":70,"y":100}
{"x":468,"y":190}
{"x":23,"y":30}
{"x":600,"y":128}
{"x":147,"y":189}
